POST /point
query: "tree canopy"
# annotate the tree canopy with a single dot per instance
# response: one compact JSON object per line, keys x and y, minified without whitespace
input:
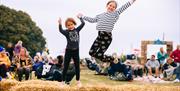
{"x":18,"y":25}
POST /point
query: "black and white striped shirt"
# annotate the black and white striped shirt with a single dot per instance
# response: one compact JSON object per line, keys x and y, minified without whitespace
{"x":106,"y":20}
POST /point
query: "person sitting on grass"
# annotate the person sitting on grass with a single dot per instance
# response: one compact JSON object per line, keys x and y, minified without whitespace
{"x":168,"y":69}
{"x":92,"y":65}
{"x":4,"y":64}
{"x":119,"y":71}
{"x":43,"y":71}
{"x":153,"y":66}
{"x":137,"y":69}
{"x":56,"y":71}
{"x":37,"y":63}
{"x":24,"y":64}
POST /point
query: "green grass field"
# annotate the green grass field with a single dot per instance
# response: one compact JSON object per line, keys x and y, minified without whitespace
{"x":90,"y":82}
{"x":89,"y":78}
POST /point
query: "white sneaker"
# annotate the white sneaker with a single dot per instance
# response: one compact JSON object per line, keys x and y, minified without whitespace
{"x":138,"y":78}
{"x":161,"y":75}
{"x":79,"y":84}
{"x":62,"y":83}
{"x":176,"y":80}
{"x":9,"y":75}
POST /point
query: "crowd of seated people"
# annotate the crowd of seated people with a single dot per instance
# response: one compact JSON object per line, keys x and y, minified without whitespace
{"x":53,"y":70}
{"x":116,"y":70}
{"x":165,"y":67}
{"x":15,"y":62}
{"x":119,"y":71}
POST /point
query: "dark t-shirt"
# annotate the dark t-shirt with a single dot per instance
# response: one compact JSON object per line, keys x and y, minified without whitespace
{"x":72,"y":36}
{"x":10,"y":51}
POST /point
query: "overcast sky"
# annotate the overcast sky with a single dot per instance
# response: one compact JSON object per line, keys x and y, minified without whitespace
{"x":144,"y":20}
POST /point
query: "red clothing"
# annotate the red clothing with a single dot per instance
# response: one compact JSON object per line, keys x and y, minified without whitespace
{"x":176,"y":55}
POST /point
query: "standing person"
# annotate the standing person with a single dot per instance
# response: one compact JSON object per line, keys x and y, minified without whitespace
{"x":105,"y":24}
{"x":176,"y":56}
{"x":10,"y":50}
{"x":17,"y":48}
{"x":161,"y":56}
{"x":72,"y":48}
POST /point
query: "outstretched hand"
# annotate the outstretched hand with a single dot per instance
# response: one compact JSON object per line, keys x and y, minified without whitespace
{"x":132,"y":1}
{"x":79,"y":15}
{"x":60,"y":21}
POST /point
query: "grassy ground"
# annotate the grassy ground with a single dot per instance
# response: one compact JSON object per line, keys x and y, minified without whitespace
{"x":90,"y":82}
{"x":89,"y":78}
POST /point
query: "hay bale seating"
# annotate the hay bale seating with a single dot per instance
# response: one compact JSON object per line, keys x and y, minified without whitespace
{"x":5,"y":85}
{"x":39,"y":85}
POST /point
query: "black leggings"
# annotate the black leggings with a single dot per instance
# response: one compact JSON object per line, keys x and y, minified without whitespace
{"x":74,"y":54}
{"x":22,"y":71}
{"x":100,"y":46}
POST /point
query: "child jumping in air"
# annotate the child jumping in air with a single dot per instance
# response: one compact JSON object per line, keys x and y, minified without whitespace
{"x":72,"y":48}
{"x":105,"y":24}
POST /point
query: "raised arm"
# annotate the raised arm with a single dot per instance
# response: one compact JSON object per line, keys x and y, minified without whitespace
{"x":82,"y":24}
{"x":60,"y":27}
{"x":124,"y":7}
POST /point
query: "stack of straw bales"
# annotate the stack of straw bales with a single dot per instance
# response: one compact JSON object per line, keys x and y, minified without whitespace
{"x":39,"y":85}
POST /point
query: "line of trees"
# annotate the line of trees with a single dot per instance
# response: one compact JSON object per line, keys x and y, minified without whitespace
{"x":18,"y":25}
